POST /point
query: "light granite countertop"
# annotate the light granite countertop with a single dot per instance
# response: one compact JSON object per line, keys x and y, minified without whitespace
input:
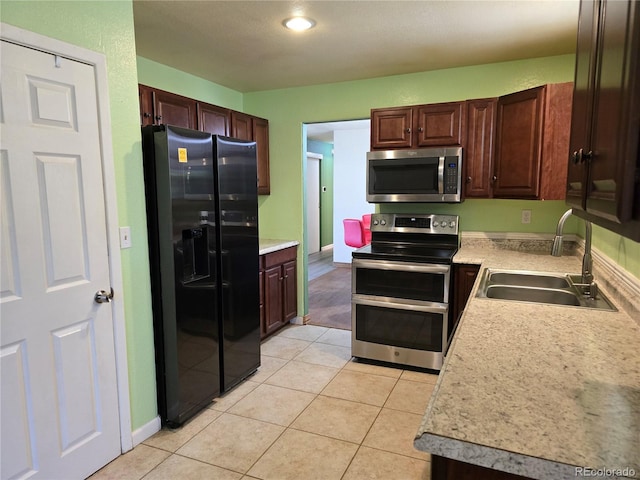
{"x":269,"y":245}
{"x":538,"y":390}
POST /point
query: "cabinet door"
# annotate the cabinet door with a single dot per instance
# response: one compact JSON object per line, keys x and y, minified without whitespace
{"x":241,"y":126}
{"x":465,"y":276}
{"x":555,"y":143}
{"x":518,"y":145}
{"x":583,"y":91}
{"x":478,"y":155}
{"x":290,"y":301}
{"x":616,"y":124}
{"x":439,"y":125}
{"x":172,"y":109}
{"x":273,"y":293}
{"x":213,"y":119}
{"x":391,"y":128}
{"x":145,"y":96}
{"x":261,"y":136}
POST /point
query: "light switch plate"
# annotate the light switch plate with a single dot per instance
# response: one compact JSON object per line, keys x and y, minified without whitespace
{"x":125,"y":237}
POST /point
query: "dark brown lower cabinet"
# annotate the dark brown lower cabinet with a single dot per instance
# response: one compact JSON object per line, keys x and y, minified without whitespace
{"x":464,"y":276}
{"x":278,"y":285}
{"x":447,"y":469}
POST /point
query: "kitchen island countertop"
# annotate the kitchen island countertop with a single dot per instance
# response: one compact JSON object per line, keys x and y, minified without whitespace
{"x":534,"y":389}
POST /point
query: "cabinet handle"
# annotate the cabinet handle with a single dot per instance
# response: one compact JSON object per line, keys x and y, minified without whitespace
{"x":146,"y":115}
{"x":494,"y":178}
{"x":468,"y":179}
{"x":158,"y":117}
{"x":420,"y":129}
{"x":575,"y":158}
{"x":580,"y":156}
{"x":408,"y":130}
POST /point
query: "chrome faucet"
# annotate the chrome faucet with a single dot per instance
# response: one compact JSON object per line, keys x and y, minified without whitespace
{"x":587,"y":262}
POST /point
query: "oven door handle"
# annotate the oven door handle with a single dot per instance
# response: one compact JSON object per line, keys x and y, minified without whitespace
{"x":399,"y":303}
{"x":401,"y":266}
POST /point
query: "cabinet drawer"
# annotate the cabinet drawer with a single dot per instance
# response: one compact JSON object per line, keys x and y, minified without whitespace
{"x":279,"y":257}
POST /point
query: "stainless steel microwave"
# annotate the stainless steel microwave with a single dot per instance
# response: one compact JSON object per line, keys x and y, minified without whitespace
{"x":425,"y":175}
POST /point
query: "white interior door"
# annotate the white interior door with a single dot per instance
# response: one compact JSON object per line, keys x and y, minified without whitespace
{"x":313,"y":204}
{"x":59,"y":391}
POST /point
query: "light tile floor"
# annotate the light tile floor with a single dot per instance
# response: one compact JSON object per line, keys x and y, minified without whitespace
{"x":310,"y":412}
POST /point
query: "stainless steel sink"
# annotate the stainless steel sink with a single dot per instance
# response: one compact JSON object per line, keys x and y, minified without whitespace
{"x":539,"y":295}
{"x":540,"y":280}
{"x":540,"y":287}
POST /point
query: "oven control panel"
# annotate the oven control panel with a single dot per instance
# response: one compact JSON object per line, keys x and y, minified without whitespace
{"x":419,"y":223}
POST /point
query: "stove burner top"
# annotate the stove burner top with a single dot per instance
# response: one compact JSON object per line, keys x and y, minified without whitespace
{"x":419,"y":238}
{"x":406,"y":253}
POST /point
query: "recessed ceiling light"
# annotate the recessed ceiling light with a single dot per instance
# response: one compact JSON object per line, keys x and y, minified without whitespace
{"x":299,"y":24}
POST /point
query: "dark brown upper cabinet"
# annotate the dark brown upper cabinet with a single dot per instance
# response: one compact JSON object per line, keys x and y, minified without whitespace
{"x":261,"y":136}
{"x":518,"y":146}
{"x":172,"y":109}
{"x":391,"y":128}
{"x":145,"y":97}
{"x":440,"y":124}
{"x":514,"y":146}
{"x":419,"y":126}
{"x":603,"y":183}
{"x":213,"y":119}
{"x":160,"y":107}
{"x":478,"y":154}
{"x":241,"y":126}
{"x":248,"y":127}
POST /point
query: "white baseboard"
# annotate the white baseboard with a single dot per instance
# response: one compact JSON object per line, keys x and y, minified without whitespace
{"x":327,"y":247}
{"x":152,"y":427}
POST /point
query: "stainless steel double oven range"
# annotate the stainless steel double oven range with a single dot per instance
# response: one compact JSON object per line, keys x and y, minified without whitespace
{"x":401,"y":288}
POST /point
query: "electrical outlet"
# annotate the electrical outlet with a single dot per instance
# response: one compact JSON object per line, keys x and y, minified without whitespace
{"x":526,"y":216}
{"x":125,"y":237}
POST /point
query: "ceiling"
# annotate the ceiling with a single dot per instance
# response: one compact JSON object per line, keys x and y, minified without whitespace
{"x":243,"y":45}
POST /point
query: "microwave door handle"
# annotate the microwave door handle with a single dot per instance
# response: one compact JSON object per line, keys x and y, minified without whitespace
{"x":441,"y":175}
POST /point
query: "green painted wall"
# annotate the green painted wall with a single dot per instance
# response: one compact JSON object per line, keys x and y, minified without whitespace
{"x":107,"y":27}
{"x":288,"y":109}
{"x":326,"y":198}
{"x":171,"y":80}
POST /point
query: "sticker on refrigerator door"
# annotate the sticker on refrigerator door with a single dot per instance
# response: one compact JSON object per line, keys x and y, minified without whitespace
{"x":182,"y":155}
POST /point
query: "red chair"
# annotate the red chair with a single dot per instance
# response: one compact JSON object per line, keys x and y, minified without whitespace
{"x":366,"y":224}
{"x":353,"y":232}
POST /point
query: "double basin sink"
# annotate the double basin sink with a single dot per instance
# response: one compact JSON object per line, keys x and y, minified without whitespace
{"x":541,"y":287}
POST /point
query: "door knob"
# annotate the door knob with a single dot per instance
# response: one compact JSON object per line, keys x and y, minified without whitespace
{"x":102,"y":296}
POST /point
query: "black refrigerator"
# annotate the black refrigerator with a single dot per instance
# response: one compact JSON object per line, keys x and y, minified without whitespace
{"x":202,"y":216}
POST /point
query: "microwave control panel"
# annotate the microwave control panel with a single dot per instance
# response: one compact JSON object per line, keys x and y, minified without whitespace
{"x":451,"y":177}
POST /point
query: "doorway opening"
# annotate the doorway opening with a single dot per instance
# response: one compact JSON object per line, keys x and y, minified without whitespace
{"x":338,"y":193}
